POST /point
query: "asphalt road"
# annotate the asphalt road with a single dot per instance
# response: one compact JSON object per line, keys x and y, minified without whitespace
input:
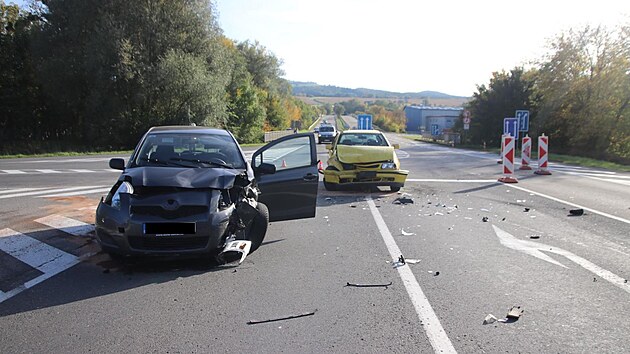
{"x":567,"y":273}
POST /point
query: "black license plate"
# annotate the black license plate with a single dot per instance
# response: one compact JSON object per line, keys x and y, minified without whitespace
{"x":170,"y":228}
{"x":367,"y":174}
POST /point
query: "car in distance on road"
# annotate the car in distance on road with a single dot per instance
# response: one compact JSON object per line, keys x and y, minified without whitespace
{"x":190,"y":190}
{"x":363,"y":157}
{"x":326,"y":133}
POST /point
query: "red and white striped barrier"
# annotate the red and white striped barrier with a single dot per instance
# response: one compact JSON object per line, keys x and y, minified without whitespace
{"x":543,"y":155}
{"x":526,"y":153}
{"x":500,"y":160}
{"x":508,"y":160}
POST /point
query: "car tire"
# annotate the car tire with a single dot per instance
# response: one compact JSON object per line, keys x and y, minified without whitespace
{"x":257,"y":230}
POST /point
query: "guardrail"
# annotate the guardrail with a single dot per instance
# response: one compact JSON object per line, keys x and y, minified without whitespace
{"x":273,"y":135}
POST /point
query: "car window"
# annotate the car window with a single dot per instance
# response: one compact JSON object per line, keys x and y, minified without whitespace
{"x":362,"y":139}
{"x":326,"y":129}
{"x":189,"y":149}
{"x":287,"y":154}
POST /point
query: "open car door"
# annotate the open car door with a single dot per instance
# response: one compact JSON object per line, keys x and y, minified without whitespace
{"x":291,"y":191}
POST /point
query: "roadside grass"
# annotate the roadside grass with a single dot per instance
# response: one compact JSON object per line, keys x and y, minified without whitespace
{"x":341,"y":124}
{"x":559,"y":158}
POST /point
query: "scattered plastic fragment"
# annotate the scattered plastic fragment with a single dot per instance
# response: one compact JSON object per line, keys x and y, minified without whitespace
{"x":369,"y":285}
{"x":403,"y":200}
{"x":526,"y":210}
{"x":251,"y":322}
{"x":353,"y":206}
{"x":405,"y":233}
{"x":436,"y":274}
{"x":450,"y":228}
{"x":484,"y":209}
{"x":594,"y":280}
{"x":515,"y":312}
{"x":412,"y":261}
{"x":328,"y":198}
{"x":576,"y":212}
{"x":521,"y":201}
{"x":503,"y":219}
{"x":401,"y":259}
{"x":534,"y":237}
{"x":438,"y":213}
{"x":484,"y":219}
{"x":489,"y":319}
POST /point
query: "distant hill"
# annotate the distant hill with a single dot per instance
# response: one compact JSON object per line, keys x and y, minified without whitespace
{"x":311,"y":89}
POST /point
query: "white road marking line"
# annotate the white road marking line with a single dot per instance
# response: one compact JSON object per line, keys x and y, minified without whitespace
{"x":83,"y":192}
{"x":572,"y":204}
{"x":59,"y":190}
{"x":430,"y":322}
{"x":618,"y":181}
{"x":453,"y":180}
{"x":98,"y":159}
{"x":83,"y":171}
{"x":19,"y":190}
{"x":71,"y":226}
{"x":111,"y":170}
{"x":39,"y":255}
{"x":13,"y":172}
{"x":534,"y":249}
{"x":48,"y":171}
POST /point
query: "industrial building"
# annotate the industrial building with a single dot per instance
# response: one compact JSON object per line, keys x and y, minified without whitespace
{"x":431,"y":120}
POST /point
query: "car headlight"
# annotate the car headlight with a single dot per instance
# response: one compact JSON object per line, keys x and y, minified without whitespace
{"x":388,"y":166}
{"x":124,"y":187}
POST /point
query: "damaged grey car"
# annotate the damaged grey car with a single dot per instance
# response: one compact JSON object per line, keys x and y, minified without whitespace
{"x":190,"y":191}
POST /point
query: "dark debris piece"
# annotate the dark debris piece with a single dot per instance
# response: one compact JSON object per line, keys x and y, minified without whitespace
{"x":403,"y":201}
{"x":484,"y":219}
{"x":369,"y":285}
{"x":534,"y":237}
{"x":436,"y":274}
{"x":526,"y":210}
{"x":576,"y":212}
{"x":401,"y":259}
{"x":251,"y":322}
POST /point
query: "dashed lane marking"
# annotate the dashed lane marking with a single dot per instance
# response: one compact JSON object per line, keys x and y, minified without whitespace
{"x":71,"y":226}
{"x":19,"y":190}
{"x":55,"y":171}
{"x":435,"y":332}
{"x":13,"y":172}
{"x":41,"y":256}
{"x":452,"y":180}
{"x":48,"y":191}
{"x":69,"y":194}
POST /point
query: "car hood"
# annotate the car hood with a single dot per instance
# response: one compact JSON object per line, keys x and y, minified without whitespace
{"x":215,"y":178}
{"x":364,"y":154}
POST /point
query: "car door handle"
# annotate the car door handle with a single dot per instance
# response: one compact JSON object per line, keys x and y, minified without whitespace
{"x":310,"y":177}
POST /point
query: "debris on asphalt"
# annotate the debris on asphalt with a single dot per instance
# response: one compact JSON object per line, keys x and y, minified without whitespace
{"x":436,"y":274}
{"x":594,"y":280}
{"x":484,"y":209}
{"x":503,"y":219}
{"x":251,"y":322}
{"x":401,"y":259}
{"x":405,"y":233}
{"x":534,"y":237}
{"x":369,"y":285}
{"x":515,"y":312}
{"x":576,"y":212}
{"x":438,"y":213}
{"x":521,"y":201}
{"x":489,"y":319}
{"x":328,"y":198}
{"x":403,"y":201}
{"x":450,"y":228}
{"x":484,"y":219}
{"x":353,"y":206}
{"x":526,"y":210}
{"x":412,"y":261}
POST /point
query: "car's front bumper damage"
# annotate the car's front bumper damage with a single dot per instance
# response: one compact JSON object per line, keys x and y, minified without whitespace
{"x":358,"y":177}
{"x":174,"y":224}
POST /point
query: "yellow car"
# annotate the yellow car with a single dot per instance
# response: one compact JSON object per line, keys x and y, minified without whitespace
{"x":363,"y":157}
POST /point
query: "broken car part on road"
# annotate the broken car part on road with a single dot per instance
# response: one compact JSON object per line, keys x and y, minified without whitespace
{"x":290,"y":317}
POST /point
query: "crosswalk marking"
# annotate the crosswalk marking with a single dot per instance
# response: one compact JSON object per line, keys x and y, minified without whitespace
{"x":47,"y":191}
{"x":71,"y":226}
{"x":41,"y":256}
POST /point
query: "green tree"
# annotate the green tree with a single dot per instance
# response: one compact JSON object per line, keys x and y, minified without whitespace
{"x":507,"y":92}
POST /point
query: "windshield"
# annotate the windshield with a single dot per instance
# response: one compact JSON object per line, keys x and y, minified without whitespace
{"x":189,"y":150}
{"x":326,"y":129}
{"x":363,"y":139}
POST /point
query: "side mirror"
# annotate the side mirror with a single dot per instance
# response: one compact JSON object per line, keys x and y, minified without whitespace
{"x":328,"y":146}
{"x":396,"y":146}
{"x":266,"y":169}
{"x":117,"y":164}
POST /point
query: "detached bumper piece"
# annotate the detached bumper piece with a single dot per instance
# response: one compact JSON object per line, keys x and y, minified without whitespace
{"x":235,"y":248}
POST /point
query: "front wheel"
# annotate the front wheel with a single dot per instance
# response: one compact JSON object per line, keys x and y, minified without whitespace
{"x":257,"y":230}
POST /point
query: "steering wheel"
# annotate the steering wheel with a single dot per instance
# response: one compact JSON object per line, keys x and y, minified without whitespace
{"x":219,"y":157}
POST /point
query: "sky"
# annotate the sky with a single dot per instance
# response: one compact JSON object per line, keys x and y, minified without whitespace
{"x":449,"y":46}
